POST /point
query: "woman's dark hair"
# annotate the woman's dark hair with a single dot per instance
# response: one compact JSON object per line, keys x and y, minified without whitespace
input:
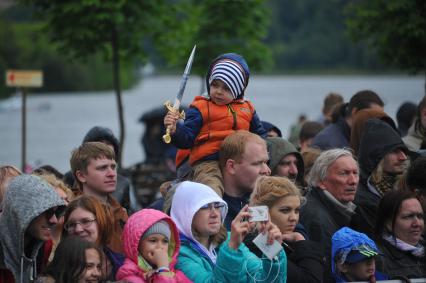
{"x":69,"y":261}
{"x":416,"y":177}
{"x":363,"y":99}
{"x":388,"y":209}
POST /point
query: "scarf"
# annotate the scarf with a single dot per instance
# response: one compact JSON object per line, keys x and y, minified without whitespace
{"x":347,"y":208}
{"x":385,"y":184}
{"x":417,"y":250}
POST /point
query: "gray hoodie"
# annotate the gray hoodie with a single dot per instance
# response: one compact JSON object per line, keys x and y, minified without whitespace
{"x":278,"y":148}
{"x":26,"y":198}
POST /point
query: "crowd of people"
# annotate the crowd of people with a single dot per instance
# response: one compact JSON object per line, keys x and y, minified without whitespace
{"x":344,"y":201}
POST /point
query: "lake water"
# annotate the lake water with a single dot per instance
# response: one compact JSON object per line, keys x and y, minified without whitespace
{"x":53,"y":133}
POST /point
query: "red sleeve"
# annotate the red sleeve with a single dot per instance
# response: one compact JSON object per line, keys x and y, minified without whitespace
{"x":6,"y":276}
{"x":47,"y":250}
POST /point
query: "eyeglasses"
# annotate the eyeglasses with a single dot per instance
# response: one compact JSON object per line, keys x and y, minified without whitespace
{"x":54,"y":211}
{"x":215,"y":205}
{"x":85,"y":223}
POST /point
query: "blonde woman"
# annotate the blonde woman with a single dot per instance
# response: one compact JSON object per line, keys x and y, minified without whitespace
{"x":7,"y":173}
{"x":283,"y":198}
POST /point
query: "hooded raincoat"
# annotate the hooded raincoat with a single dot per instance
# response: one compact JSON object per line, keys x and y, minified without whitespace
{"x":346,"y":240}
{"x":222,"y":263}
{"x":278,"y":148}
{"x":134,"y":229}
{"x":27,"y":197}
{"x":379,"y":139}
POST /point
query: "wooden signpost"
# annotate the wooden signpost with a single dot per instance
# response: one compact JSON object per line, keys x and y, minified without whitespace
{"x":24,"y":79}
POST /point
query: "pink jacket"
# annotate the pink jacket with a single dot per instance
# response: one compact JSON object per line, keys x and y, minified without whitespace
{"x":135,"y":227}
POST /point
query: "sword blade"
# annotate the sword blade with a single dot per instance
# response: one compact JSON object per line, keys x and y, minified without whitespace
{"x":185,"y":77}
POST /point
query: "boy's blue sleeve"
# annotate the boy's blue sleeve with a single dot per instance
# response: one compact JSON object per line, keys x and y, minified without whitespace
{"x":256,"y":126}
{"x":187,"y":131}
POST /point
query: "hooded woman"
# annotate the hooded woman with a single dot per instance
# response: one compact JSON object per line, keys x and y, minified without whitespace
{"x":207,"y":253}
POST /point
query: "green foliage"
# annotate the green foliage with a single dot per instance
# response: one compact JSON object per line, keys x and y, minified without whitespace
{"x":82,"y":28}
{"x":395,"y":28}
{"x":25,"y":46}
{"x":216,"y":27}
{"x":311,"y":34}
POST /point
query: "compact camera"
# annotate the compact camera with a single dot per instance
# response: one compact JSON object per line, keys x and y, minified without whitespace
{"x":258,"y":213}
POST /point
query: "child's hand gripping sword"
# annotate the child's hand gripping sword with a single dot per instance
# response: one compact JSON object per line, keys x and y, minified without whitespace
{"x":175,"y":107}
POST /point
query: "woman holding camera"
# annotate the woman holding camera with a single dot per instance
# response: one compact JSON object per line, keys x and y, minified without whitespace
{"x":283,"y":199}
{"x":208,"y":253}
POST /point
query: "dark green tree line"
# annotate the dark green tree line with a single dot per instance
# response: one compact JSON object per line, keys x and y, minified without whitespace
{"x":395,"y":28}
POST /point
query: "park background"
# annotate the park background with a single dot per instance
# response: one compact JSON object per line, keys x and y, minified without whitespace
{"x":97,"y":55}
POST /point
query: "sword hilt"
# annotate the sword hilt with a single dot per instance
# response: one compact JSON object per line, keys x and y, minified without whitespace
{"x":167,"y":138}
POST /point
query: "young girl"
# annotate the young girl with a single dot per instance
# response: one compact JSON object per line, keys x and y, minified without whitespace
{"x":208,"y":253}
{"x":151,"y":246}
{"x":75,"y":260}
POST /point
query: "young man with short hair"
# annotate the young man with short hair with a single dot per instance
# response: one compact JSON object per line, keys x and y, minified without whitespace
{"x":243,"y":158}
{"x":95,"y":171}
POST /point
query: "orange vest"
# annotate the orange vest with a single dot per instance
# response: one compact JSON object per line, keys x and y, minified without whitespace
{"x":181,"y":156}
{"x":219,"y":121}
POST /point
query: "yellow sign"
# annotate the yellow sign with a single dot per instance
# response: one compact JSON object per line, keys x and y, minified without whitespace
{"x":21,"y":78}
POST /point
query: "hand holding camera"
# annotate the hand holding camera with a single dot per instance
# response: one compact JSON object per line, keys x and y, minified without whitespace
{"x":258,"y":213}
{"x":240,"y":228}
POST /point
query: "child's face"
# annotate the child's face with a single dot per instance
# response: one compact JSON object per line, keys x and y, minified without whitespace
{"x":154,"y":248}
{"x":220,"y":94}
{"x":360,"y":271}
{"x":92,"y":272}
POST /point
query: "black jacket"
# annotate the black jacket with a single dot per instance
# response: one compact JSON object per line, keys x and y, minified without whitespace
{"x":322,"y":218}
{"x":379,"y":139}
{"x":235,"y":204}
{"x":305,"y":263}
{"x":397,"y":262}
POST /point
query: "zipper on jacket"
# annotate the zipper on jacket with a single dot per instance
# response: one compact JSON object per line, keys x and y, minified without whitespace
{"x":234,"y":115}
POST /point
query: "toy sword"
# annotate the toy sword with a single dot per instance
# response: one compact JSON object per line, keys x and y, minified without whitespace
{"x":175,"y":107}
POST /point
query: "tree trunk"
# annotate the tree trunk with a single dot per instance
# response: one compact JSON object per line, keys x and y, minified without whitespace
{"x":117,"y":87}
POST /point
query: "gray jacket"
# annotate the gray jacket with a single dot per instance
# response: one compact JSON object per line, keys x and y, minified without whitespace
{"x":26,"y":198}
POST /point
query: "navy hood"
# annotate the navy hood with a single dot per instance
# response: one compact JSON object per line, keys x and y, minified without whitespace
{"x":269,"y":126}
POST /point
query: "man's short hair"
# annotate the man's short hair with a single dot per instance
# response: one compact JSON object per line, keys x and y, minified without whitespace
{"x":319,"y":170}
{"x":364,"y":99}
{"x":81,"y":156}
{"x":234,"y":145}
{"x":309,"y":130}
{"x":330,"y":101}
